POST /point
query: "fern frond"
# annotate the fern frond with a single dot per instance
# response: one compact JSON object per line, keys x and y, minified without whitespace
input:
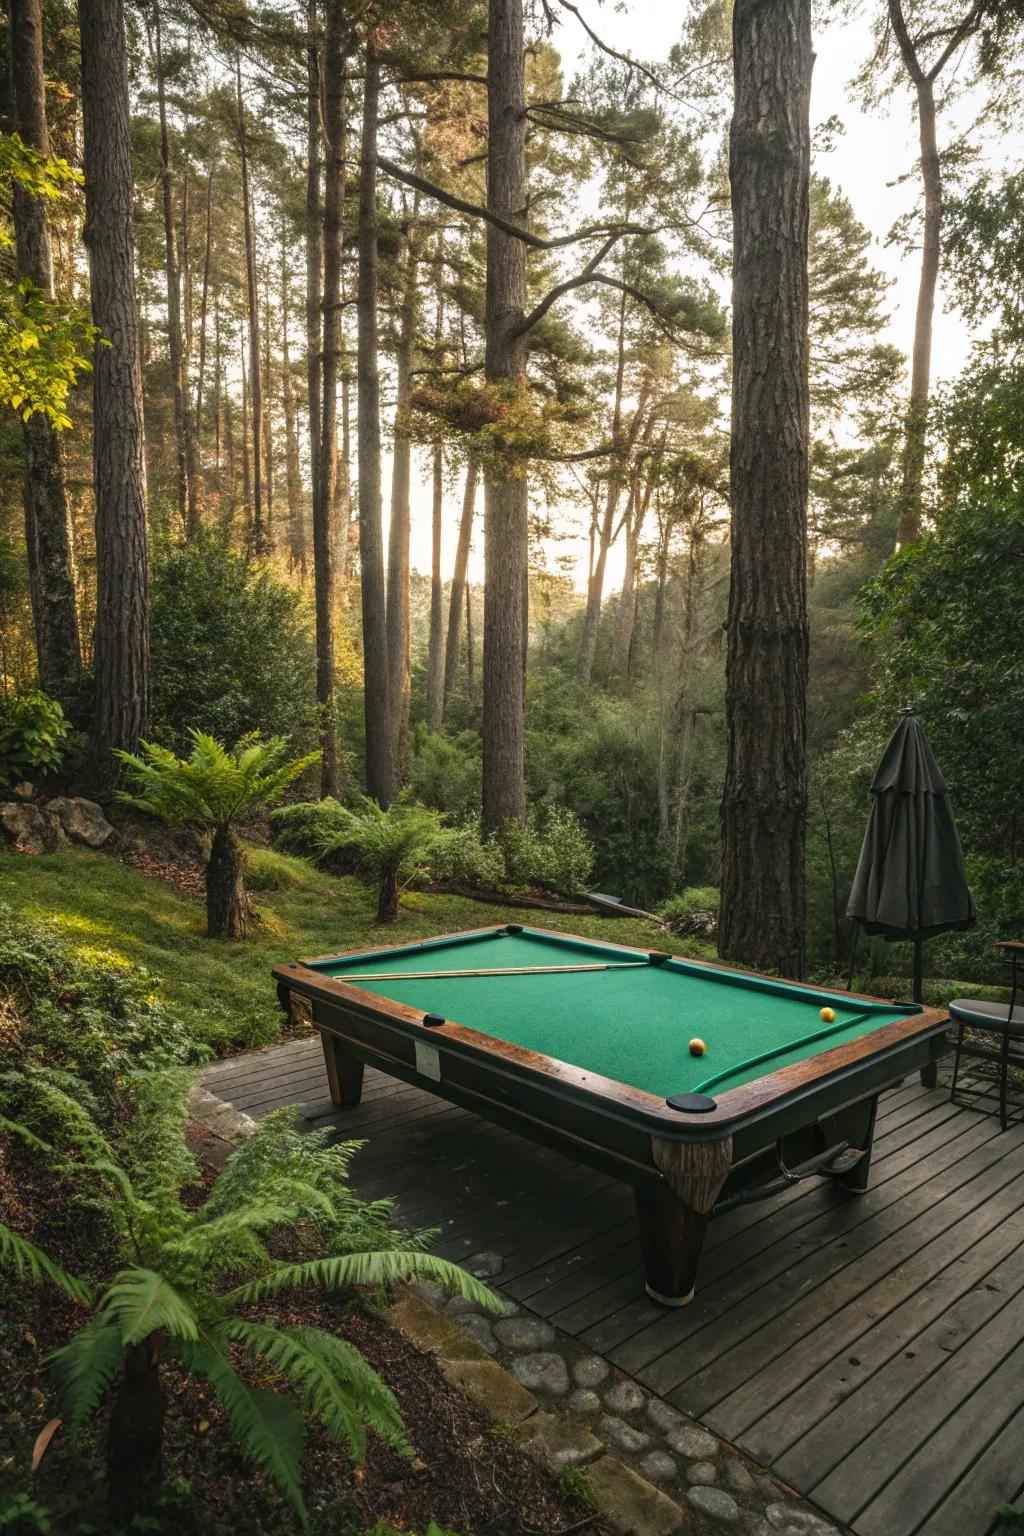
{"x":341,"y":1271}
{"x":269,"y":1429}
{"x":25,"y":1258}
{"x":22,"y":1132}
{"x":85,"y":1367}
{"x":140,"y":1301}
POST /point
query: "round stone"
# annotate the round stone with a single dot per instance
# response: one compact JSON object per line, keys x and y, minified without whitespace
{"x":543,"y":1372}
{"x":737,"y":1476}
{"x":624,"y":1397}
{"x":583,"y":1402}
{"x":715,"y":1503}
{"x":479,"y":1330}
{"x":430,"y":1291}
{"x":623,"y":1436}
{"x":461,"y":1306}
{"x":524,"y":1332}
{"x":662,"y":1416}
{"x":693,"y":1443}
{"x":791,"y":1520}
{"x":486,"y":1265}
{"x":590,"y":1371}
{"x":659,"y":1467}
{"x":702,"y":1472}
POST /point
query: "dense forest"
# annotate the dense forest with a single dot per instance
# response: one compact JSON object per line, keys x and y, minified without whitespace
{"x":263,"y":266}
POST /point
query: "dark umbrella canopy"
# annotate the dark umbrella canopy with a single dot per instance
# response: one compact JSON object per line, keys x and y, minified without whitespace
{"x":910,"y":881}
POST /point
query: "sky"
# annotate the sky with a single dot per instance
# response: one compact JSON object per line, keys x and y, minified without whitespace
{"x":867,"y":163}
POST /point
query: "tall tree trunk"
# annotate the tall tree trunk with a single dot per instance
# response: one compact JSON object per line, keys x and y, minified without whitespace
{"x":380,"y":780}
{"x":764,"y":804}
{"x":217,"y":376}
{"x":324,"y":536}
{"x":398,"y":532}
{"x":135,"y":1433}
{"x":260,"y":541}
{"x":344,"y":497}
{"x":186,"y":272}
{"x":435,"y":638}
{"x":121,"y":649}
{"x":469,"y":642}
{"x":297,"y":551}
{"x":506,"y":529}
{"x":246,"y":471}
{"x":47,"y":519}
{"x":203,"y":309}
{"x":314,"y":246}
{"x":268,"y":420}
{"x":187,"y":508}
{"x":460,"y":591}
{"x":603,"y":531}
{"x":915,"y":439}
{"x":226,"y":902}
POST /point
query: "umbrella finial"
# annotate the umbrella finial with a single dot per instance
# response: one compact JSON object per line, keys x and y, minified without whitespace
{"x":909,"y":708}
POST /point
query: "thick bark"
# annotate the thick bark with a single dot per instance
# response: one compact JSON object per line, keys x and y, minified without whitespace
{"x":343,"y":501}
{"x":460,"y":592}
{"x":387,"y":897}
{"x":470,"y":663}
{"x":324,"y":534}
{"x":203,"y":310}
{"x":135,"y":1433}
{"x":505,"y":489}
{"x":47,"y":519}
{"x":187,"y":507}
{"x":260,"y":541}
{"x":268,"y":422}
{"x":398,"y":531}
{"x":121,"y":649}
{"x":297,"y":551}
{"x":314,"y":246}
{"x":435,"y":637}
{"x":764,"y":804}
{"x":380,"y":782}
{"x":912,"y":465}
{"x":226,"y":903}
{"x":246,"y":472}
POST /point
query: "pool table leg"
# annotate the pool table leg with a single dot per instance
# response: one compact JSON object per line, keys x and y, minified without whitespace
{"x":930,"y":1075}
{"x":861,"y":1133}
{"x":344,"y":1072}
{"x":674,"y":1211}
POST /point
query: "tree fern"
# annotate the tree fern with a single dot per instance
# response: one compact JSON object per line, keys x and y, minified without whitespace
{"x":341,"y":1271}
{"x":140,"y":1302}
{"x":269,"y":1429}
{"x":26,"y":1259}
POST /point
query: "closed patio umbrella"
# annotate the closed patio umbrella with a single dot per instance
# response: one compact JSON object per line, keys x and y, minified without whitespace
{"x":910,"y":881}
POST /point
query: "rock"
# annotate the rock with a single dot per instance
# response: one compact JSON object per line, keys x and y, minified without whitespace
{"x":557,"y":1443}
{"x":28,"y":829}
{"x":491,"y":1388}
{"x":82,"y":820}
{"x":715,"y":1503}
{"x":429,"y":1330}
{"x":691,"y":1442}
{"x":544,"y":1372}
{"x":485,"y":1266}
{"x":459,"y":1306}
{"x":524,"y":1332}
{"x":590,"y":1371}
{"x":624,"y":1397}
{"x":477,"y":1328}
{"x":659,"y":1467}
{"x":791,"y":1520}
{"x":702,"y":1472}
{"x":23,"y":791}
{"x":430,"y":1291}
{"x":737,"y":1476}
{"x":630,"y":1504}
{"x":583,"y":1402}
{"x":622,"y":1435}
{"x":662,"y":1416}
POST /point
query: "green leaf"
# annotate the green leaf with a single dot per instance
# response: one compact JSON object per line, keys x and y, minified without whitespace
{"x":26,"y":1259}
{"x":141,"y":1302}
{"x":381,"y":1268}
{"x":85,"y":1367}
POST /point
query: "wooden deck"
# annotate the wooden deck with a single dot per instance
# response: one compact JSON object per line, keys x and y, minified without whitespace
{"x":870,"y":1351}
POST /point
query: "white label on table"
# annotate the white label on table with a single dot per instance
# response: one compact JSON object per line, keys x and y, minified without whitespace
{"x":428,"y":1060}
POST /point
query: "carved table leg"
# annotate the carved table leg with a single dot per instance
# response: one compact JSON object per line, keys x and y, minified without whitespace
{"x":674,"y":1212}
{"x":344,"y":1072}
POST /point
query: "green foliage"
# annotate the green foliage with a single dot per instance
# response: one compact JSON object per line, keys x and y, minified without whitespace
{"x":232,"y":648}
{"x":304,"y":827}
{"x":550,"y":850}
{"x":214,"y":786}
{"x":461,"y":857}
{"x":33,"y":733}
{"x":391,"y":842}
{"x":696,"y":898}
{"x":43,"y":342}
{"x":268,"y":870}
{"x":20,"y":1513}
{"x":445,"y":772}
{"x":29,"y":1262}
{"x":575,"y":1484}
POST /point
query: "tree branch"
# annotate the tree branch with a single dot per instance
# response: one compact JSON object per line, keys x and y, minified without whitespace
{"x":587,"y":275}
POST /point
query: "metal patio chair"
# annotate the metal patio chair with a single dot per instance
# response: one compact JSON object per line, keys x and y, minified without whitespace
{"x":1005,"y":1024}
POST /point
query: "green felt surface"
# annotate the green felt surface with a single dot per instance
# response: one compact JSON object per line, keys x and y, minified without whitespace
{"x":632,"y":1025}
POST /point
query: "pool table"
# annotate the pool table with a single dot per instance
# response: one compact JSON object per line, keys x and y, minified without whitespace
{"x":586,"y":1046}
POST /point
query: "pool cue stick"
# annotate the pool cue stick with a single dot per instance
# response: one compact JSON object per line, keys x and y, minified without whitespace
{"x":512,"y":970}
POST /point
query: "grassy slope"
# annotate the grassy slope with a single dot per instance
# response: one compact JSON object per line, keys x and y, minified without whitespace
{"x":102,"y":906}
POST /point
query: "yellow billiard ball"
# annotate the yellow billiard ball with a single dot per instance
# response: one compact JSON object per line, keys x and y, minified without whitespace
{"x":827,"y":1015}
{"x":697,"y":1047}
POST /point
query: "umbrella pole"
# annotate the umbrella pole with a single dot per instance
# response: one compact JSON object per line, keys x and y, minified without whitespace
{"x":930,"y":1073}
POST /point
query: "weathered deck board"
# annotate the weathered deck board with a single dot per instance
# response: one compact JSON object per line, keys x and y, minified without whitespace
{"x":866,"y":1350}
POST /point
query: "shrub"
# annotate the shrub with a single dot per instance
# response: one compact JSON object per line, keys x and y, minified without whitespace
{"x":33,"y":732}
{"x":268,"y":870}
{"x":550,"y":849}
{"x":461,"y":857}
{"x":232,"y":649}
{"x":304,"y":827}
{"x":445,"y":772}
{"x":696,"y":898}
